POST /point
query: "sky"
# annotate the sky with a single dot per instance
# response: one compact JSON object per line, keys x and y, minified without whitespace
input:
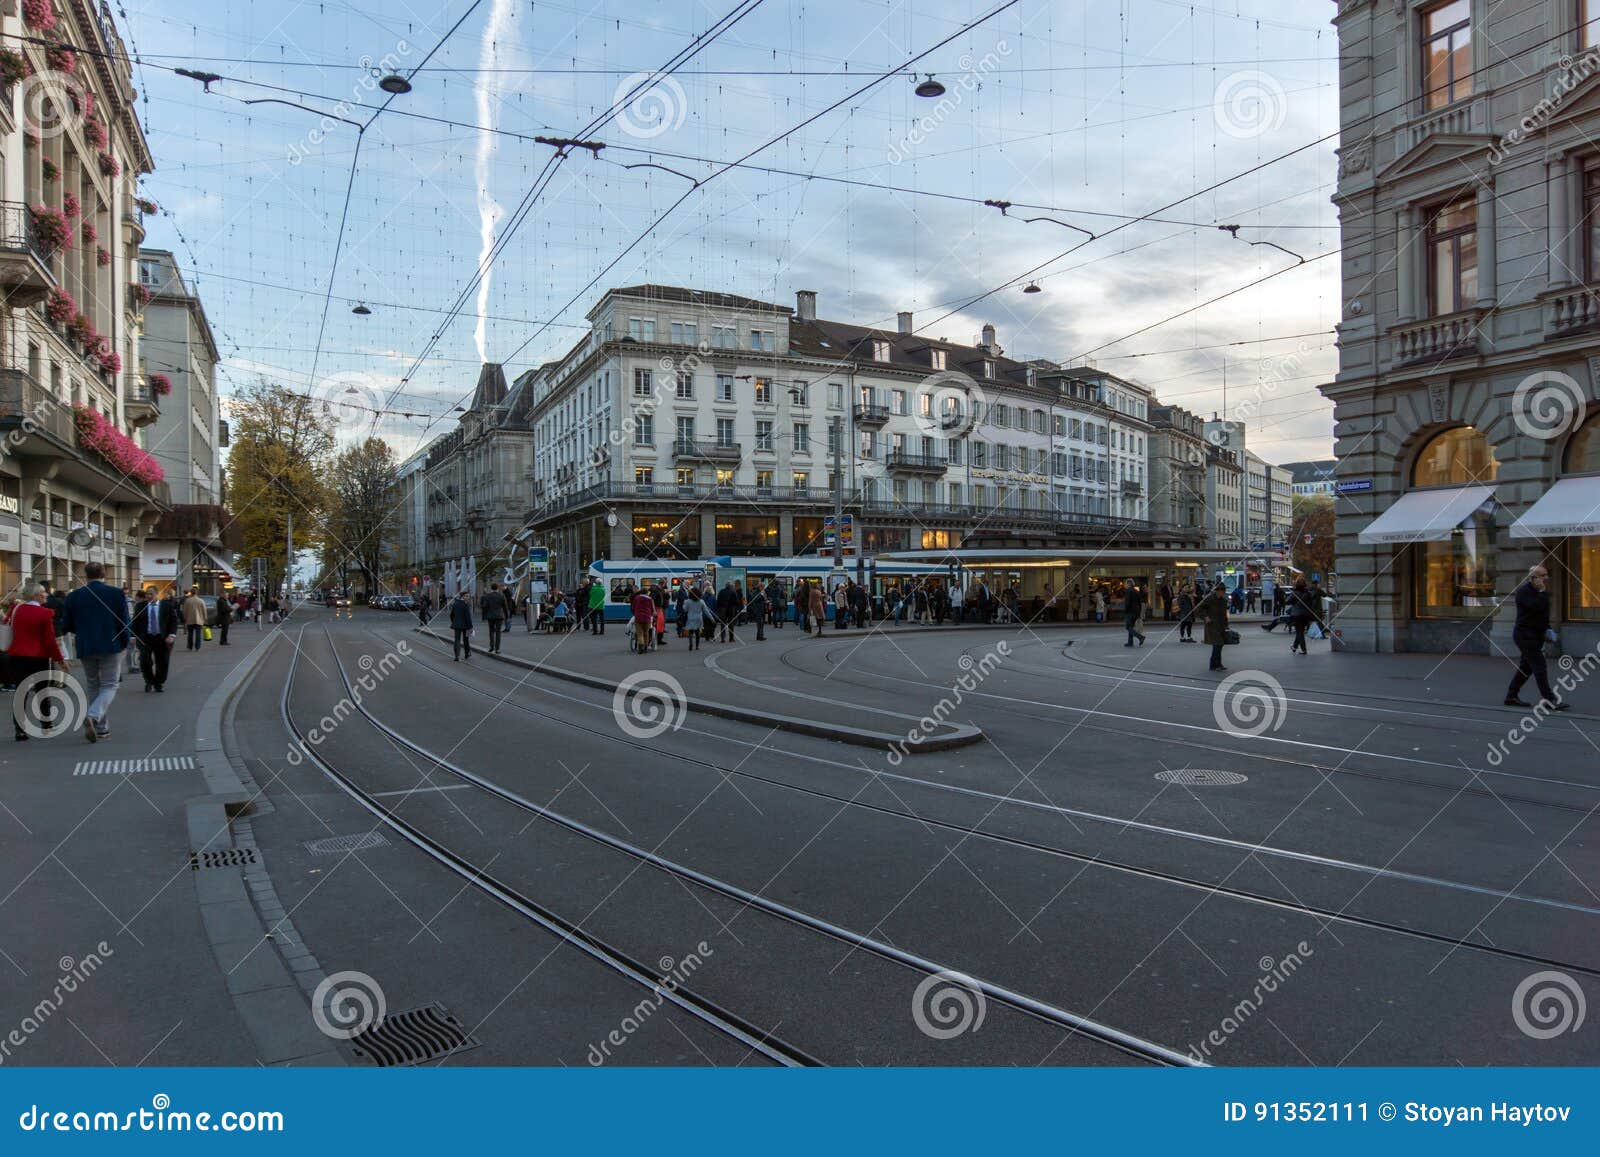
{"x":1099,"y":115}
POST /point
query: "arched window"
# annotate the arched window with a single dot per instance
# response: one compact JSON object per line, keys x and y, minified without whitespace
{"x":1583,"y":451}
{"x":1456,"y":457}
{"x":1582,"y":580}
{"x":1454,"y":577}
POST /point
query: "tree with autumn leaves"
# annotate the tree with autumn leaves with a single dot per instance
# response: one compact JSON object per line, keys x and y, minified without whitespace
{"x":1313,"y":519}
{"x":364,"y":491}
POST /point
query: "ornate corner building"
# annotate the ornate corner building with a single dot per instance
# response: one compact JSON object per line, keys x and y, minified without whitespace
{"x":1469,"y":349}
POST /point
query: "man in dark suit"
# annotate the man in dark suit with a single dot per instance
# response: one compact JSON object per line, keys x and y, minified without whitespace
{"x":1132,"y":612}
{"x":493,"y":608}
{"x":1529,"y":634}
{"x":155,"y":629}
{"x":461,"y":626}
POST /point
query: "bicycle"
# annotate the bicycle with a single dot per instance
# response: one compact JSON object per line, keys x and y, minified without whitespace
{"x":633,"y":638}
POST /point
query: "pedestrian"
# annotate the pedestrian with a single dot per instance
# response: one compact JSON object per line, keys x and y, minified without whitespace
{"x":860,"y":604}
{"x":1300,"y":615}
{"x":97,"y":615}
{"x":802,"y":605}
{"x":57,"y":603}
{"x":1530,"y":633}
{"x":33,"y":652}
{"x":492,"y":606}
{"x":708,"y":605}
{"x":692,"y":617}
{"x":194,"y":620}
{"x":643,"y":608}
{"x":1213,"y":609}
{"x":818,"y":607}
{"x":1132,"y":612}
{"x":757,"y":609}
{"x":460,"y":627}
{"x":1165,"y":592}
{"x":424,"y":610}
{"x":155,"y":630}
{"x":956,"y":598}
{"x":1099,"y":605}
{"x":777,"y":603}
{"x":596,"y":606}
{"x":1186,"y":613}
{"x":224,"y":617}
{"x":729,"y":604}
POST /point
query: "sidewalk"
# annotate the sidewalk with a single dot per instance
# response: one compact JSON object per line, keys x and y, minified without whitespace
{"x":105,"y":957}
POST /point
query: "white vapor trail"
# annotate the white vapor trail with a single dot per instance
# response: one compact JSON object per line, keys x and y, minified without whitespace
{"x":488,"y":208}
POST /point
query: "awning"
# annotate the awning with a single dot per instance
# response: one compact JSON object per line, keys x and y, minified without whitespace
{"x":218,"y":563}
{"x":1571,"y":507}
{"x":1427,"y":515}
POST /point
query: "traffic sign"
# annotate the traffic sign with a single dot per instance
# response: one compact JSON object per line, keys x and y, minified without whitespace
{"x":1352,"y":485}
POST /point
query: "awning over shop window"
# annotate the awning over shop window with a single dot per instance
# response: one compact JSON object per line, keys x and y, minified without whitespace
{"x":1427,"y":515}
{"x":1569,"y":508}
{"x":217,"y":563}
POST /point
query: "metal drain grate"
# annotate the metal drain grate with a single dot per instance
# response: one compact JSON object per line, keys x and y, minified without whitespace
{"x":333,"y":845}
{"x":129,"y":766}
{"x":411,"y":1037}
{"x":1201,"y":777}
{"x":222,"y":858}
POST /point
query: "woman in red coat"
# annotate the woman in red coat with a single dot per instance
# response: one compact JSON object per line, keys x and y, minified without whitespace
{"x":33,"y":649}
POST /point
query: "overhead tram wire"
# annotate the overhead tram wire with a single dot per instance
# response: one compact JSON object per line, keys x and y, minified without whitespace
{"x":650,"y":228}
{"x":547,"y":174}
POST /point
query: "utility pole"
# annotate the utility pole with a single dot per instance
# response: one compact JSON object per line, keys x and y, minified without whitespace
{"x":288,"y":556}
{"x":837,"y":422}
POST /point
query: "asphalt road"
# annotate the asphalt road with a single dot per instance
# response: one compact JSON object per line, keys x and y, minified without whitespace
{"x":1375,"y":889}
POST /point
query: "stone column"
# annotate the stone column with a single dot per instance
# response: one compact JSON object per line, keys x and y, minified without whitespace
{"x":1405,"y":262}
{"x":1560,"y":268}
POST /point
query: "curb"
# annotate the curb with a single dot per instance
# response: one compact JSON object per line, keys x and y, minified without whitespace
{"x":951,"y":734}
{"x":239,"y":909}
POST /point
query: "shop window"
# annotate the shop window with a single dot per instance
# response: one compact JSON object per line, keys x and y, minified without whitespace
{"x":1582,"y":579}
{"x":1454,"y":578}
{"x":1457,"y":457}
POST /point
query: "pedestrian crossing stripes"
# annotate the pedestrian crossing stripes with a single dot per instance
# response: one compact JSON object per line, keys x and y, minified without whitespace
{"x":129,"y":766}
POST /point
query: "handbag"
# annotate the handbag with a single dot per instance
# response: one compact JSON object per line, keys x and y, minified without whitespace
{"x":1231,"y":638}
{"x":206,"y":634}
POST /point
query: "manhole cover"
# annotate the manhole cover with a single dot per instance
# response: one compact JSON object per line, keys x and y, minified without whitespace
{"x":1201,"y":777}
{"x":411,"y":1037}
{"x":334,"y":845}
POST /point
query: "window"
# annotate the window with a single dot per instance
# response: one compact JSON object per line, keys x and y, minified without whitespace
{"x":897,"y":443}
{"x":724,"y":478}
{"x":747,"y":534}
{"x":802,"y":437}
{"x":955,"y":494}
{"x":1038,"y":421}
{"x":802,"y":481}
{"x":800,"y":394}
{"x":835,"y":396}
{"x":1447,"y":53}
{"x":834,"y":434}
{"x":1591,"y":218}
{"x":868,"y":445}
{"x":685,"y":333}
{"x":1002,"y":457}
{"x":988,"y":369}
{"x":643,"y":475}
{"x":666,"y":536}
{"x":1456,"y":457}
{"x":936,"y":359}
{"x":686,"y":479}
{"x":764,"y":483}
{"x":980,"y":456}
{"x":644,"y":430}
{"x":1588,"y":24}
{"x":764,"y":390}
{"x":725,"y":432}
{"x":762,"y":339}
{"x":641,"y":383}
{"x":642,"y":328}
{"x":1453,"y":257}
{"x":724,"y":337}
{"x":953,"y":450}
{"x":1077,"y":428}
{"x":685,"y":384}
{"x":925,"y":405}
{"x":1455,"y":578}
{"x":763,"y":434}
{"x":1000,"y":415}
{"x":724,"y":387}
{"x":685,"y":431}
{"x":1582,"y":576}
{"x":880,"y":351}
{"x":1059,"y":425}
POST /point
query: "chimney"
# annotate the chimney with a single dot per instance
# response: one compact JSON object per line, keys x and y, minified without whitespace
{"x":905,"y":320}
{"x":805,"y":304}
{"x":988,"y":338}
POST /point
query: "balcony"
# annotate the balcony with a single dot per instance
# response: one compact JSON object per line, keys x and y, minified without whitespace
{"x":694,"y":450}
{"x":141,"y":403}
{"x":1574,"y":311}
{"x":1130,"y":487}
{"x":907,"y":463}
{"x":953,"y":420}
{"x":870,"y":415}
{"x":25,"y":273}
{"x":1437,"y":339}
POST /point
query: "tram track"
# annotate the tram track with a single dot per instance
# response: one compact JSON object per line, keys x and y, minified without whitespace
{"x":1126,"y":1043}
{"x":1138,"y":870}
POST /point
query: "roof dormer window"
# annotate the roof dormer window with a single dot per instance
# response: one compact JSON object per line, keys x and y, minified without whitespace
{"x":880,"y":351}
